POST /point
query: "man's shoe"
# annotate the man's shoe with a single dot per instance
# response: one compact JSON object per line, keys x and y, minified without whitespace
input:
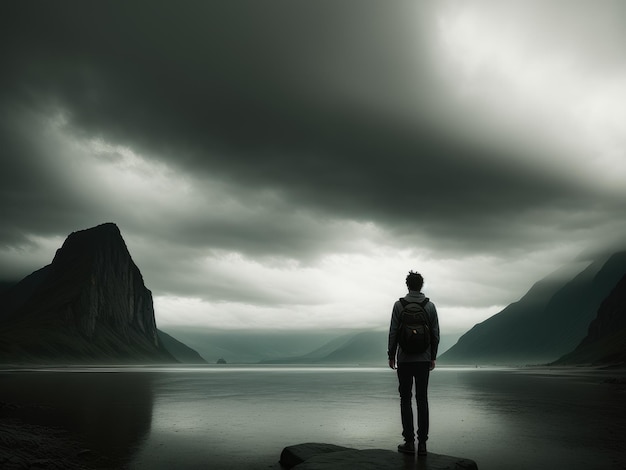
{"x":421,"y":448}
{"x":407,"y":448}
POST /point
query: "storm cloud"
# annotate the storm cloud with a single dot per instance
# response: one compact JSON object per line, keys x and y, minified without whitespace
{"x":280,"y":157}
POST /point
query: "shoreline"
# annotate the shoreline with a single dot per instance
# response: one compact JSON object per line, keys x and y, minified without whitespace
{"x":27,"y":445}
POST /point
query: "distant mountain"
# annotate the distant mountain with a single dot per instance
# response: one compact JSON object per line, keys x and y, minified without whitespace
{"x":181,"y":352}
{"x":89,"y":305}
{"x":250,"y":346}
{"x":289,"y":347}
{"x":548,"y":322}
{"x":357,"y":348}
{"x":368,"y":347}
{"x":606,"y":338}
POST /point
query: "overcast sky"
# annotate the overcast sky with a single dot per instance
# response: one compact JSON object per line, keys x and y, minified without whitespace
{"x":282,"y":164}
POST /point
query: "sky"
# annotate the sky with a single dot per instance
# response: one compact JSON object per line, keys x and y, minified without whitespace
{"x":283,"y":165}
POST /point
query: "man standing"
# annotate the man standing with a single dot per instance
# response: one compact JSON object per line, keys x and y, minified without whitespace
{"x":413,"y":367}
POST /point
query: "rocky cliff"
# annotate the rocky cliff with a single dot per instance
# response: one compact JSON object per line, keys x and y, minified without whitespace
{"x":606,"y":339}
{"x":90,"y":304}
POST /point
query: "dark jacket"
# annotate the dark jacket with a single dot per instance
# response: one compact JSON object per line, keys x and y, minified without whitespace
{"x":394,"y":348}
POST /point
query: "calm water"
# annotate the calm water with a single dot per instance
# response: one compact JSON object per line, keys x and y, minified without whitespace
{"x":242,"y":417}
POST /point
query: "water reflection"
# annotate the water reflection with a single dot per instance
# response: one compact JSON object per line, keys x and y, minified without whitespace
{"x":111,"y":413}
{"x":518,"y":419}
{"x":161,"y":418}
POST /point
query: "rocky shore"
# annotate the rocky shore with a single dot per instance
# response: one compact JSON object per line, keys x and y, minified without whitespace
{"x":25,"y":445}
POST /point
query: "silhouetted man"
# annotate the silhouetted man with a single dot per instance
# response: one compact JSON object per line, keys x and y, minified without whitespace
{"x":413,"y":367}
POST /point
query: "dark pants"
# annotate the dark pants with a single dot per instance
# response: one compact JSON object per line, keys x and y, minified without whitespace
{"x":418,"y":372}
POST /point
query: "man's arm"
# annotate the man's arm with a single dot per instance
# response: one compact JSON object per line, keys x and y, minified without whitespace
{"x":435,"y":335}
{"x":392,"y":345}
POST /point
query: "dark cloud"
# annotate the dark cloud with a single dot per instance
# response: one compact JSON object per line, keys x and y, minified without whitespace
{"x":285,"y":131}
{"x":263,"y":95}
{"x":34,"y":197}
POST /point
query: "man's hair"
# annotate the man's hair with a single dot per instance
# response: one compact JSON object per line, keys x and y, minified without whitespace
{"x":414,"y":281}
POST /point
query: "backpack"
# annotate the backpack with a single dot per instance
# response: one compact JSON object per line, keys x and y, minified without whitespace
{"x":414,"y":331}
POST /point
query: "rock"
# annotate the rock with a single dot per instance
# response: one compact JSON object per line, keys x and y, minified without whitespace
{"x":89,"y":305}
{"x":294,"y":455}
{"x":317,"y":456}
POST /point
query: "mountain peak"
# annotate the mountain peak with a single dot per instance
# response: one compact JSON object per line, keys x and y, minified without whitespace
{"x":90,"y":303}
{"x":88,"y":241}
{"x":107,"y":229}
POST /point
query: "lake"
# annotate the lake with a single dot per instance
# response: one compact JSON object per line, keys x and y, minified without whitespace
{"x":243,"y":416}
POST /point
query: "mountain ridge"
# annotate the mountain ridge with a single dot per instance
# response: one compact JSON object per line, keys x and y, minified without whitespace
{"x":90,"y":304}
{"x":547,"y":322}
